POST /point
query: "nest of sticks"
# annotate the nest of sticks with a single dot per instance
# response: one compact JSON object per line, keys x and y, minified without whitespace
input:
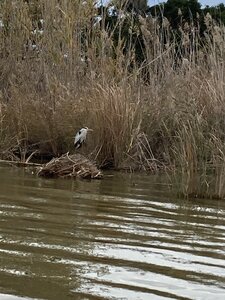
{"x":75,"y":165}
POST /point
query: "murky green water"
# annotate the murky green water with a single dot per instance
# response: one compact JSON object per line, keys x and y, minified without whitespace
{"x":123,"y":237}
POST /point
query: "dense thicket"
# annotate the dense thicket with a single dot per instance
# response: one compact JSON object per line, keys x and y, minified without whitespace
{"x":178,"y":13}
{"x":149,"y":81}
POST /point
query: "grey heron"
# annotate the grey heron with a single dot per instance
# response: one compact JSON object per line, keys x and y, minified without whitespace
{"x":80,"y":137}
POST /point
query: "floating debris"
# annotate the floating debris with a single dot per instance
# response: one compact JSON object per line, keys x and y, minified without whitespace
{"x":75,"y":165}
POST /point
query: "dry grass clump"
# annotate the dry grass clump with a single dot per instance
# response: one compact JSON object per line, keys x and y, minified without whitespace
{"x":115,"y":113}
{"x":72,"y":166}
{"x":60,"y":71}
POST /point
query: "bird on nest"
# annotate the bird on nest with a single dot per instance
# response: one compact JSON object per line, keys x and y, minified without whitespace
{"x":80,"y":137}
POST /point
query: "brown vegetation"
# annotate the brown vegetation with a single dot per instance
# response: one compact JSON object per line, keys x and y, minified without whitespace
{"x":72,"y":166}
{"x":175,"y":120}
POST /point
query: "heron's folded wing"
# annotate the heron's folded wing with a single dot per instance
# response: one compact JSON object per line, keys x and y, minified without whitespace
{"x":77,"y":137}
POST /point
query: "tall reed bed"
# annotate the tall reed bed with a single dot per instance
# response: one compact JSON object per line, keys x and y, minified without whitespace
{"x":60,"y":69}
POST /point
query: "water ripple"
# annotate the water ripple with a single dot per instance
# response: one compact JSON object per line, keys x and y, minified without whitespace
{"x":110,"y":239}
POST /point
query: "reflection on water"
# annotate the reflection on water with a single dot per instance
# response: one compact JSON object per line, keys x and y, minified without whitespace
{"x":123,"y":237}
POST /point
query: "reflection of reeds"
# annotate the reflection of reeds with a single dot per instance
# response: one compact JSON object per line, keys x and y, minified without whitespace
{"x":166,"y":113}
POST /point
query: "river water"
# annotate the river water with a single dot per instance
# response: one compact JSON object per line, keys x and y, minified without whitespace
{"x":123,"y":237}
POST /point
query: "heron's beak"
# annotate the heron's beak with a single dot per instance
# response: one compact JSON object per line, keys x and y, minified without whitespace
{"x":90,"y":129}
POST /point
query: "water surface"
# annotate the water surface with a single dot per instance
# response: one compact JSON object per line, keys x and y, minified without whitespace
{"x":124,"y":237}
